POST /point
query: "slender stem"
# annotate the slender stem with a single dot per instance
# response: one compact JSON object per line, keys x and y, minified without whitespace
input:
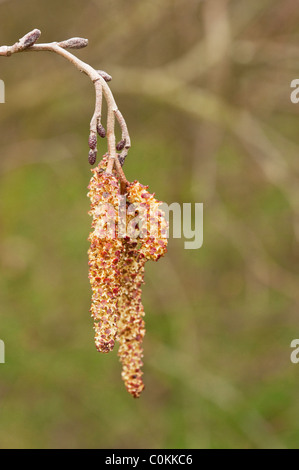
{"x":96,"y":118}
{"x":124,"y":135}
{"x":123,"y":180}
{"x":111,"y":140}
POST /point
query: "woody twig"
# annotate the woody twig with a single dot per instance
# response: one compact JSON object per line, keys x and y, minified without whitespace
{"x":99,"y":78}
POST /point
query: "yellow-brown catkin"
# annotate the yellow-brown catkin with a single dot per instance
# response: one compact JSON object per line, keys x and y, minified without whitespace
{"x":152,"y":223}
{"x":131,"y":327}
{"x":150,"y":243}
{"x":116,"y":267}
{"x":104,"y":258}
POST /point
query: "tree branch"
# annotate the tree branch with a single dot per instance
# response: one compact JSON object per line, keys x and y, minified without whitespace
{"x":99,"y":79}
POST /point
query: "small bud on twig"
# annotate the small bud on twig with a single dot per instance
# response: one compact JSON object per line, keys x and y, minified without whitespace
{"x":29,"y":39}
{"x":101,"y":130}
{"x":105,"y":75}
{"x":92,"y":141}
{"x":92,"y":156}
{"x":121,"y":160}
{"x":74,"y":43}
{"x":121,"y":144}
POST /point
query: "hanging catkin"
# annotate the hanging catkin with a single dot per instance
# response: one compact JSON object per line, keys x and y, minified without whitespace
{"x":116,"y":267}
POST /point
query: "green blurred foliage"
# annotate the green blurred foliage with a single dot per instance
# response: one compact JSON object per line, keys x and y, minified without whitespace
{"x":205,"y":89}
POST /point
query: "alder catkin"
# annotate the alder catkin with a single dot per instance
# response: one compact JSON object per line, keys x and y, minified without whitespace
{"x":152,"y":221}
{"x":149,"y":242}
{"x":104,"y":258}
{"x":131,"y":326}
{"x":116,"y":267}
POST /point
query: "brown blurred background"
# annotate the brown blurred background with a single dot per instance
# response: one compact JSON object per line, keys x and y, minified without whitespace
{"x":205,"y":89}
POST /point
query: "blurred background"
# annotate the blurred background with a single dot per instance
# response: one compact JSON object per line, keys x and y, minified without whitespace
{"x":204,"y":86}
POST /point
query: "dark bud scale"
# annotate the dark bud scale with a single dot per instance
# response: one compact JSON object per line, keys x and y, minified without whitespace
{"x":121,"y":160}
{"x":29,"y":39}
{"x":92,"y":156}
{"x":92,"y":141}
{"x":121,"y":144}
{"x":105,"y":75}
{"x":74,"y":43}
{"x":101,"y":130}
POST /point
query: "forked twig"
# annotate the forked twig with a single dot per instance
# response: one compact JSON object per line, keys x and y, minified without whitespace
{"x":99,"y":79}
